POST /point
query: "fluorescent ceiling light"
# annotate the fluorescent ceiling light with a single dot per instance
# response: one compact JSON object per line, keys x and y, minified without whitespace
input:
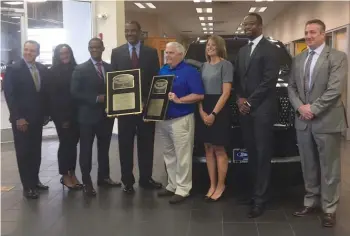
{"x":15,"y":17}
{"x":270,"y":0}
{"x":199,"y":10}
{"x":139,"y":5}
{"x":259,"y":0}
{"x":150,"y":5}
{"x":205,"y":32}
{"x":36,"y":0}
{"x":204,"y":29}
{"x":196,"y":0}
{"x":201,"y":18}
{"x":239,"y":28}
{"x":210,"y":18}
{"x":202,"y":24}
{"x":236,"y":32}
{"x":262,"y":9}
{"x":208,"y":0}
{"x":242,"y":32}
{"x":14,"y":3}
{"x":211,"y":32}
{"x":210,"y":24}
{"x":252,"y":9}
{"x":209,"y":10}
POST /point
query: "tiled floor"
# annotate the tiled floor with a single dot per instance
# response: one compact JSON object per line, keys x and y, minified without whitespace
{"x":62,"y":213}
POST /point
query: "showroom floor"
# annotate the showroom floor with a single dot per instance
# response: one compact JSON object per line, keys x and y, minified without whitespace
{"x":59,"y":212}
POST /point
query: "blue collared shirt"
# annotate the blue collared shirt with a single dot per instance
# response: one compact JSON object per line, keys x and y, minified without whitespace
{"x":103,"y":69}
{"x":137,"y":46}
{"x":187,"y":81}
{"x":31,"y":69}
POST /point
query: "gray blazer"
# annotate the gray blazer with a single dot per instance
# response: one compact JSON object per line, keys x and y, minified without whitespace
{"x":329,"y":76}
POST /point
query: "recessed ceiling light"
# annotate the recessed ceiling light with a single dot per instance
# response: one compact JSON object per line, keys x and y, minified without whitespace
{"x":204,"y":28}
{"x":15,"y":17}
{"x":270,"y":0}
{"x":210,"y":24}
{"x":199,"y":10}
{"x":201,"y":18}
{"x":202,"y":24}
{"x":14,"y":3}
{"x":236,"y":32}
{"x":150,"y":5}
{"x":205,"y":32}
{"x":36,"y":0}
{"x":208,"y":0}
{"x":252,"y":9}
{"x":196,"y":0}
{"x":210,"y":18}
{"x":239,"y":28}
{"x":259,"y":0}
{"x":139,"y":5}
{"x":262,"y":9}
{"x":242,"y":32}
{"x":209,"y":10}
{"x":211,"y":32}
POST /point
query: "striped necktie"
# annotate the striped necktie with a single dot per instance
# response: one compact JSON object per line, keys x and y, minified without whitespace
{"x":307,"y":72}
{"x":99,"y":70}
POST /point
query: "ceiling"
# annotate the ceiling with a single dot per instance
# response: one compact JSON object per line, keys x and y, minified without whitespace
{"x":227,"y":15}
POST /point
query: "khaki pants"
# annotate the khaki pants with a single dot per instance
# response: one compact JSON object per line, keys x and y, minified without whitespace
{"x":177,"y":137}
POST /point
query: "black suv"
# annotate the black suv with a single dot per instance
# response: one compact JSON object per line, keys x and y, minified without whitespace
{"x":285,"y":144}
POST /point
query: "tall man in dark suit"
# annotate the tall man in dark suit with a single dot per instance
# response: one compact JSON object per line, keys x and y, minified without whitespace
{"x":255,"y":86}
{"x":134,"y":55}
{"x":24,"y":93}
{"x":89,"y":89}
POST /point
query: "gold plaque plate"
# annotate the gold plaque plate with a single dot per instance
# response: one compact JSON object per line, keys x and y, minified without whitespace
{"x":155,"y":107}
{"x":123,"y":101}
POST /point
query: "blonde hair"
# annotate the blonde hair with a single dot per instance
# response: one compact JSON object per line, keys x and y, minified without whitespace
{"x":220,"y":47}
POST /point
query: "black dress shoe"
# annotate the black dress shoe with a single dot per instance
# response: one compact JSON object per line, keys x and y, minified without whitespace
{"x":31,"y":193}
{"x":128,"y":189}
{"x":150,"y":184}
{"x":256,"y":211}
{"x":40,"y":186}
{"x":165,"y":193}
{"x":328,"y":220}
{"x":304,"y":212}
{"x":175,"y":199}
{"x":89,"y":190}
{"x":108,"y":183}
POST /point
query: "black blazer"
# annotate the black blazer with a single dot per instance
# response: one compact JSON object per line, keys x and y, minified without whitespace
{"x":21,"y":96}
{"x":148,"y":61}
{"x":257,"y":81}
{"x":62,"y":107}
{"x":86,"y":86}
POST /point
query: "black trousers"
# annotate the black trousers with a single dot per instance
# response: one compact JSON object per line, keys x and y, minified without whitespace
{"x":103,"y":132}
{"x":128,"y":127}
{"x":28,"y":153}
{"x":257,"y":136}
{"x":67,"y":150}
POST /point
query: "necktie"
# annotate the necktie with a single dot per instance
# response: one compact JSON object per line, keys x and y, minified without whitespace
{"x":35,"y":76}
{"x":249,"y":51}
{"x":99,"y":70}
{"x":134,"y":58}
{"x":307,"y":72}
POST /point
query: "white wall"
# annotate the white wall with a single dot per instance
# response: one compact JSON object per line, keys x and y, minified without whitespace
{"x":289,"y":24}
{"x":77,"y":24}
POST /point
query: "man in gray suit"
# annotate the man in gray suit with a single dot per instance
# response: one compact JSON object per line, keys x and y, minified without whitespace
{"x":315,"y":88}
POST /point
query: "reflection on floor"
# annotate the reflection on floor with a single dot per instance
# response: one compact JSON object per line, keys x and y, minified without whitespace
{"x":63,"y":213}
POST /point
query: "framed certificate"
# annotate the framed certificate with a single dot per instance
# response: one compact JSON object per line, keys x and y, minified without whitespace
{"x":123,"y":93}
{"x":158,"y":100}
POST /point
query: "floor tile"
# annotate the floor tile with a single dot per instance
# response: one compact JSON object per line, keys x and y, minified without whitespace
{"x":278,"y":229}
{"x":244,"y":229}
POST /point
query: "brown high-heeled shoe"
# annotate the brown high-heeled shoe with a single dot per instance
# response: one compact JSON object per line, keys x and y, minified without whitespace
{"x":75,"y":180}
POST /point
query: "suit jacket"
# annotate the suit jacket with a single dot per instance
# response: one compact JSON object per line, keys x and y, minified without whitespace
{"x":148,"y":63}
{"x":328,"y":78}
{"x":62,"y":107}
{"x":85,"y":88}
{"x":23,"y":100}
{"x":257,"y":81}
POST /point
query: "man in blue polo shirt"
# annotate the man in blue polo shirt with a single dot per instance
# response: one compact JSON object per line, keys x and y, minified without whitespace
{"x":177,"y":131}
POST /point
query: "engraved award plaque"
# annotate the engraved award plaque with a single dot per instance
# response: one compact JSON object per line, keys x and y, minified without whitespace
{"x":123,"y":93}
{"x":157,"y":102}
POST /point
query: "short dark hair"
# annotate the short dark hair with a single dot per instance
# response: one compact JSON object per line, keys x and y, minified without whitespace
{"x":258,"y":17}
{"x":134,"y":22}
{"x":97,"y":39}
{"x":318,"y":22}
{"x":33,"y":42}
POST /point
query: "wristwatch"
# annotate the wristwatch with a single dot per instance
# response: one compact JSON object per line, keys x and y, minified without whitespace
{"x":214,"y":114}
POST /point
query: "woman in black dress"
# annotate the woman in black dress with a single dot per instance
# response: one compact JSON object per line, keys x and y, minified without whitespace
{"x":214,"y":128}
{"x":63,"y":113}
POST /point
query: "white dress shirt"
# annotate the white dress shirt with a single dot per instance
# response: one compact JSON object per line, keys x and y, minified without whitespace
{"x":317,"y":54}
{"x":255,"y":43}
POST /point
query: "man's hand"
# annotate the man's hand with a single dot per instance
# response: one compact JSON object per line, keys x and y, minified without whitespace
{"x":243,"y":106}
{"x":101,"y":98}
{"x":305,"y":112}
{"x":22,"y":125}
{"x":209,"y":120}
{"x":174,"y":98}
{"x":203,"y":115}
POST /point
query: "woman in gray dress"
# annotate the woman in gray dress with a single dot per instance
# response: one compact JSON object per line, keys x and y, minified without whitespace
{"x":214,"y":128}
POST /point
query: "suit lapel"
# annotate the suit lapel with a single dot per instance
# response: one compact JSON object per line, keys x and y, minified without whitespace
{"x":141,"y":56}
{"x":302,"y":60}
{"x":256,"y":49}
{"x":28,"y":74}
{"x":320,"y":61}
{"x":127,"y":55}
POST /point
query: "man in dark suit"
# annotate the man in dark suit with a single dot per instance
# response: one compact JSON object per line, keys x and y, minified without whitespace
{"x":256,"y":76}
{"x":89,"y":89}
{"x":24,"y":93}
{"x":134,"y":55}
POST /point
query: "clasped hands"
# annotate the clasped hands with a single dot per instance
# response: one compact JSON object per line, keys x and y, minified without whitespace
{"x":305,"y":112}
{"x":207,"y":119}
